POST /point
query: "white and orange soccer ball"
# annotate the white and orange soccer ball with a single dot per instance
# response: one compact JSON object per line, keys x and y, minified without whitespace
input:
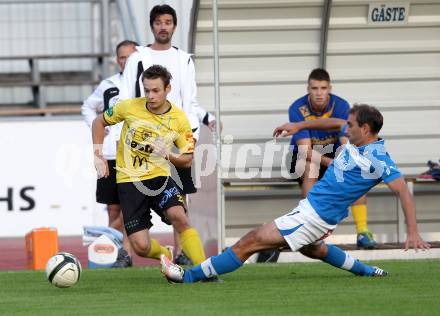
{"x":63,"y":270}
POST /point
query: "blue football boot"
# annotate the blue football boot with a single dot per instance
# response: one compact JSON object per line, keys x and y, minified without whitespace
{"x":365,"y":240}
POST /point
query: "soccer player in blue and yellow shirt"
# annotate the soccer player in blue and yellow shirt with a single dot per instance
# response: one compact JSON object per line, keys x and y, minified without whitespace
{"x":152,"y":126}
{"x":359,"y":166}
{"x":320,"y":103}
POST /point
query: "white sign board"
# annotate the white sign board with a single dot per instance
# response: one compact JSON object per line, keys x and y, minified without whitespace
{"x":391,"y":13}
{"x":47,"y":178}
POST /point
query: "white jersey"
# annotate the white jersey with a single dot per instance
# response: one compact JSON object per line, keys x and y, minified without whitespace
{"x":170,"y":60}
{"x":103,"y":97}
{"x":183,"y":85}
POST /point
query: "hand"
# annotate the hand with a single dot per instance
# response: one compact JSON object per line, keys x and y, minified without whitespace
{"x":415,"y":241}
{"x":286,"y":129}
{"x":212,"y":126}
{"x":160,"y":148}
{"x":101,"y":166}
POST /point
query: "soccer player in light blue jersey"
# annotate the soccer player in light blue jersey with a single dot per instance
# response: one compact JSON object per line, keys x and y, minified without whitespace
{"x":359,"y":166}
{"x":320,"y":104}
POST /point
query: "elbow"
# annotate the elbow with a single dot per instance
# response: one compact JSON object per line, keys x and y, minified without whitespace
{"x":188,"y":163}
{"x":184,"y":161}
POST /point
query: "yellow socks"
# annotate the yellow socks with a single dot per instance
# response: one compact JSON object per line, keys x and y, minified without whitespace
{"x":360,"y":217}
{"x":156,"y":250}
{"x":192,"y":245}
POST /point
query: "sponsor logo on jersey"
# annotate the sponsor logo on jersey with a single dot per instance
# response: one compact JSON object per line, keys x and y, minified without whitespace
{"x":139,"y":161}
{"x":180,"y":198}
{"x":304,"y":110}
{"x":167,"y":195}
{"x":146,"y":135}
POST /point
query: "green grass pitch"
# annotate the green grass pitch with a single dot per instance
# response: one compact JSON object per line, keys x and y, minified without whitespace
{"x":413,"y":288}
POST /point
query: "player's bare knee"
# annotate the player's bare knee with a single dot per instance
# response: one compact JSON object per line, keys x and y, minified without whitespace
{"x":314,"y":251}
{"x":258,"y":239}
{"x":114,"y":212}
{"x":248,"y":244}
{"x":307,"y":251}
{"x":118,"y":224}
{"x":176,"y":215}
{"x":181,"y":226}
{"x":141,"y":248}
{"x":241,"y":250}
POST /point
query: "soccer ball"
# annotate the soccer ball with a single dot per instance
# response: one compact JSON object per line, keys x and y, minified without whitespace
{"x":63,"y":270}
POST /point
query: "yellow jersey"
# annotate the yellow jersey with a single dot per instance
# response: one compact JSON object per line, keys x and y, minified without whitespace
{"x":135,"y":160}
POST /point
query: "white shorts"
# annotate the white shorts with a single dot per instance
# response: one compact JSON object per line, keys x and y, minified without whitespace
{"x":303,"y":226}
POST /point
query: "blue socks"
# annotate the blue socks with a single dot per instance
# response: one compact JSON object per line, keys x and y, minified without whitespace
{"x":340,"y":259}
{"x":213,"y":266}
{"x":229,"y":262}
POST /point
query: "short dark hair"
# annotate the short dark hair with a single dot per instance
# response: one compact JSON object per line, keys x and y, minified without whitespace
{"x":125,"y":43}
{"x":162,"y":9}
{"x":157,"y":71}
{"x":319,"y":74}
{"x":367,"y":114}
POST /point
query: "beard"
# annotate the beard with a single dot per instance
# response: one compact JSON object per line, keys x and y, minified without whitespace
{"x":163,"y":39}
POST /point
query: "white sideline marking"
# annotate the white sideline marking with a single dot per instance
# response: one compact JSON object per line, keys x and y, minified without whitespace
{"x":366,"y":255}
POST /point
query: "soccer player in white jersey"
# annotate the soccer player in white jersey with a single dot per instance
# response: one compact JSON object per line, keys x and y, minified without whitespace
{"x":104,"y":97}
{"x":359,"y":166}
{"x":183,"y":94}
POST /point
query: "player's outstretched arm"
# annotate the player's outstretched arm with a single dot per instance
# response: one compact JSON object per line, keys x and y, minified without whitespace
{"x":329,"y":124}
{"x":413,"y":240}
{"x":98,"y":132}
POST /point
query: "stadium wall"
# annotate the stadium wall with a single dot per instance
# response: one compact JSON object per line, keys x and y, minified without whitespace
{"x":48,"y":178}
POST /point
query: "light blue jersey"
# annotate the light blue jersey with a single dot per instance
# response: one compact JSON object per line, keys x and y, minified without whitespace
{"x":353,"y":172}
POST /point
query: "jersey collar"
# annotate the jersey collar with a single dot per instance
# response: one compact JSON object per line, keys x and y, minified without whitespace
{"x":329,"y":105}
{"x":168,"y":110}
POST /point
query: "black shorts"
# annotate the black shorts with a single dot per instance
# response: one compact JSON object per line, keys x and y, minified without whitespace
{"x":322,"y":169}
{"x":139,"y":198}
{"x":106,"y":188}
{"x":185,"y":177}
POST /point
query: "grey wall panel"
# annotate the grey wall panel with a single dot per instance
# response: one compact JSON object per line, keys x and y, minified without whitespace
{"x":300,"y":41}
{"x":403,"y":125}
{"x":392,"y":94}
{"x":243,"y":99}
{"x":394,"y":68}
{"x":407,"y":153}
{"x":258,"y":70}
{"x":287,"y":11}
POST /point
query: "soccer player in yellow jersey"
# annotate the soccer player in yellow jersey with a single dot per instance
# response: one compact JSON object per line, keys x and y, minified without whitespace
{"x":152,"y":126}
